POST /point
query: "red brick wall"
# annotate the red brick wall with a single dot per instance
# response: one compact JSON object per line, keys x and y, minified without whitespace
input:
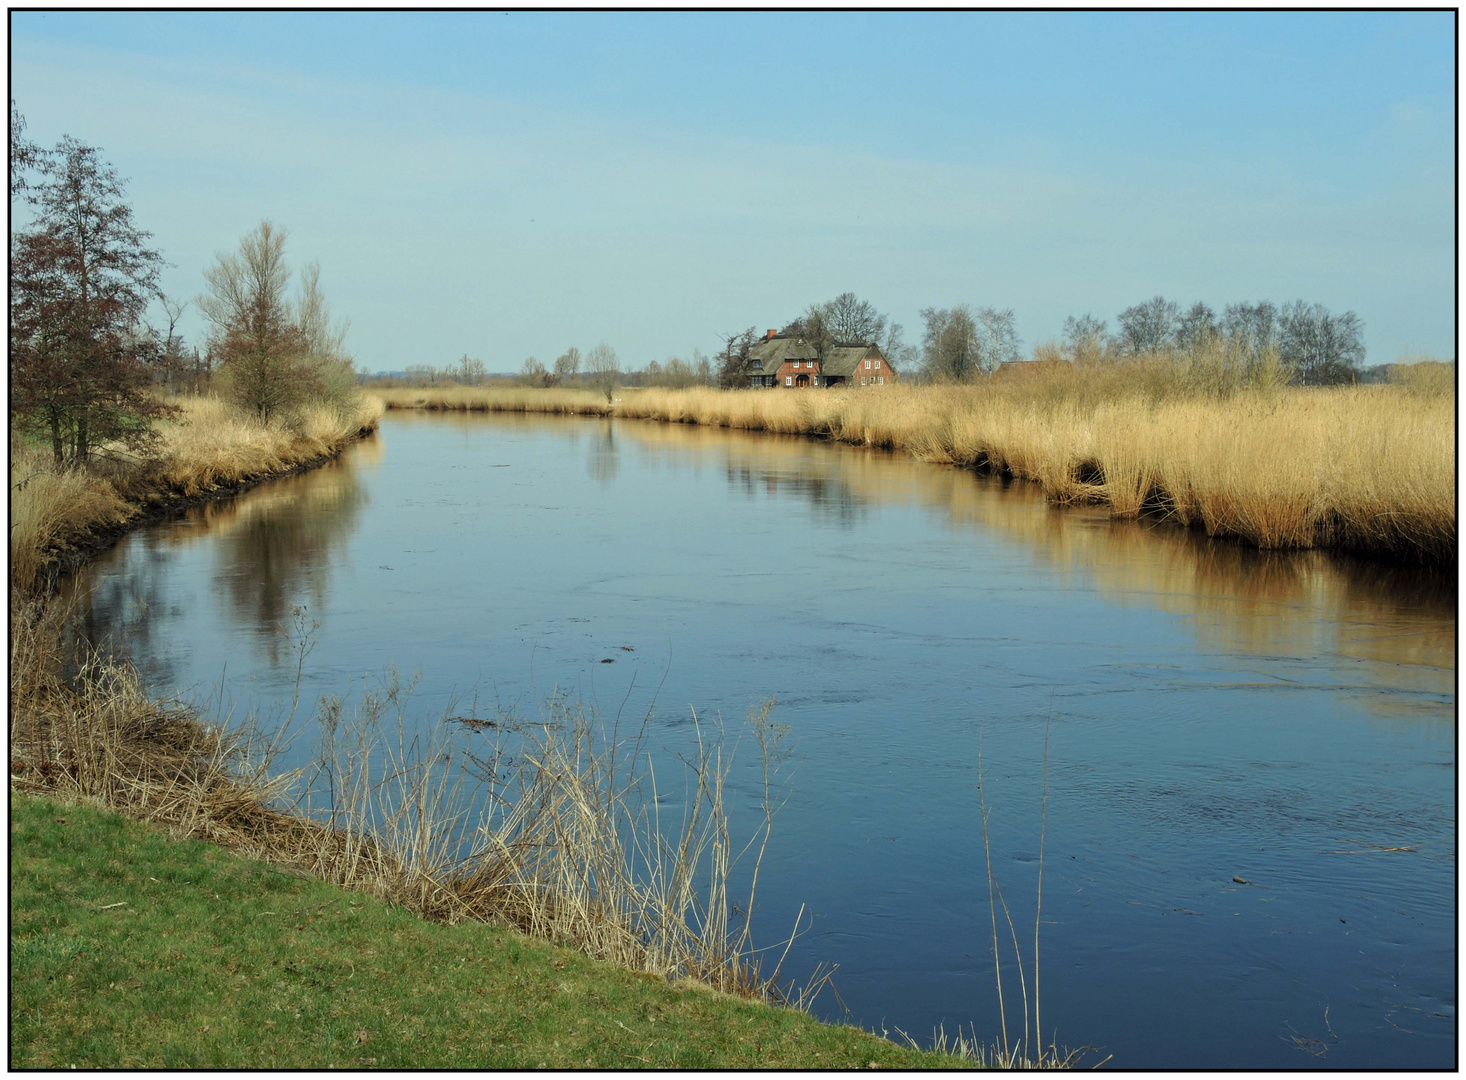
{"x":873,"y":375}
{"x":789,"y":369}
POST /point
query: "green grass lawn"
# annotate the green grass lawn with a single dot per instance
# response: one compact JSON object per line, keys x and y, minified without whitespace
{"x":130,"y":949}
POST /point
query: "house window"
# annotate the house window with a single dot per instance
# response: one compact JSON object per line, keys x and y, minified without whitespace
{"x":867,"y":365}
{"x":788,"y":380}
{"x":878,"y":363}
{"x":882,"y":380}
{"x":862,"y":380}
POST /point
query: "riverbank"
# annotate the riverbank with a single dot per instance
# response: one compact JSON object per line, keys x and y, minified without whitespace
{"x":59,"y":517}
{"x":132,"y":949}
{"x":84,"y":731}
{"x":1369,"y":469}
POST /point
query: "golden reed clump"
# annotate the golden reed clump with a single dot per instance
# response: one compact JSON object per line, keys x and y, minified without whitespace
{"x":1369,"y":468}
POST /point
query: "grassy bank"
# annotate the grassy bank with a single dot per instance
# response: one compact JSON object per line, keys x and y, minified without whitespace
{"x":212,"y":448}
{"x":1368,"y":468}
{"x":131,"y":949}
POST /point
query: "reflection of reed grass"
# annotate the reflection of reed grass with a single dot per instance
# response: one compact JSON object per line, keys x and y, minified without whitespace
{"x":1367,"y":468}
{"x":211,"y":447}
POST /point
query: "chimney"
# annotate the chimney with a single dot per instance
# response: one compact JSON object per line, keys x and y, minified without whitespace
{"x":770,"y":334}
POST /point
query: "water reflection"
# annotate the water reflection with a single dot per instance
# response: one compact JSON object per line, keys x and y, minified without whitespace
{"x":1238,"y":600}
{"x":832,"y":501}
{"x":602,"y":462}
{"x":273,"y":551}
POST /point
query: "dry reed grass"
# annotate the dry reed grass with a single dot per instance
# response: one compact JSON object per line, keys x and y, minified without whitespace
{"x":1369,"y":468}
{"x":211,"y":447}
{"x":563,"y":840}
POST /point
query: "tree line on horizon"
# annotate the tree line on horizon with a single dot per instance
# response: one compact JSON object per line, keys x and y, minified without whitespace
{"x":1306,"y":343}
{"x":1310,"y":344}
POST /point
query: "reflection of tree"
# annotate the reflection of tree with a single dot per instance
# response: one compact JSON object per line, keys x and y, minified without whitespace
{"x":122,"y":613}
{"x":278,"y":556}
{"x":833,"y":500}
{"x":274,"y":545}
{"x":603,"y":463}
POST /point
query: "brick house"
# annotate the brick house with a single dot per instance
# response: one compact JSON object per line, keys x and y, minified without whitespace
{"x":788,"y":361}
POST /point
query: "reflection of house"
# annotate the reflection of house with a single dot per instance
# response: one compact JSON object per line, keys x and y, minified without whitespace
{"x":788,"y":360}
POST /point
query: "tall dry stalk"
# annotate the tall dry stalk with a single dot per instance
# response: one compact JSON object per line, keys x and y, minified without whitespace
{"x":1038,"y":906}
{"x":987,"y":851}
{"x":1011,"y":1056}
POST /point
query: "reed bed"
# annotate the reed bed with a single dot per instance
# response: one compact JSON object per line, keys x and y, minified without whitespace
{"x":1368,"y":468}
{"x":211,"y":447}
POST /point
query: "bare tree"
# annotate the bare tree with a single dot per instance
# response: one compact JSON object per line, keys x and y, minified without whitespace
{"x":24,"y":154}
{"x":604,"y":370}
{"x":1084,"y":337}
{"x":567,"y":364}
{"x":1197,"y":327}
{"x":321,"y":335}
{"x":534,"y":373}
{"x":1251,"y":327}
{"x":998,"y":342}
{"x":816,"y":328}
{"x":253,"y":333}
{"x":1322,"y":348}
{"x":676,"y":374}
{"x":950,"y":347}
{"x":899,"y":354}
{"x":174,"y":363}
{"x":1147,"y":327}
{"x":702,"y":368}
{"x":469,"y":370}
{"x":853,"y":320}
{"x":733,"y":362}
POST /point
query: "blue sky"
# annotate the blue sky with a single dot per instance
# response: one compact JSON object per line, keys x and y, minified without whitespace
{"x":507,"y":185}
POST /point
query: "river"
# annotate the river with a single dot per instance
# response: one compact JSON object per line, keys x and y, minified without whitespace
{"x":1249,"y":852}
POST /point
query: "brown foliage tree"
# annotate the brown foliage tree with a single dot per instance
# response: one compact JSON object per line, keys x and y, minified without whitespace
{"x":82,"y":360}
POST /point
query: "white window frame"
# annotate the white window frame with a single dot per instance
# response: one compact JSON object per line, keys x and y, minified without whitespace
{"x":788,"y":380}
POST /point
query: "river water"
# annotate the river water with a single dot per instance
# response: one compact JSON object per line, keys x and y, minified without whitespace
{"x":1213,"y":713}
